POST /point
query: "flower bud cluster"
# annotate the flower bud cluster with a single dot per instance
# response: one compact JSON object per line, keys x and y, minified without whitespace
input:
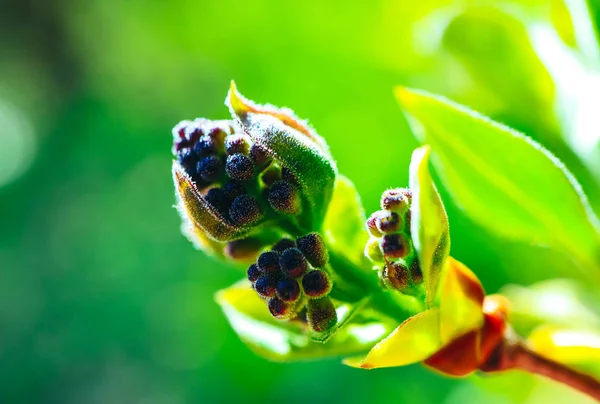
{"x":292,"y":279}
{"x":389,"y":245}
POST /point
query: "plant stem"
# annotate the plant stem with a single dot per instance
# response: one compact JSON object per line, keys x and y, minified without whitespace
{"x":514,"y":354}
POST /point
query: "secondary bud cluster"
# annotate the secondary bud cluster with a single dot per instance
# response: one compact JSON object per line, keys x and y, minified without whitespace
{"x":390,"y":245}
{"x":292,"y":279}
{"x":235,"y":176}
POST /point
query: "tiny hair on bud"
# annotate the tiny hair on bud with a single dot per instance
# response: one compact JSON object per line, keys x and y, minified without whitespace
{"x":321,"y":314}
{"x":285,"y":198}
{"x":237,"y":144}
{"x":293,"y":263}
{"x":245,"y":210}
{"x":394,"y":246}
{"x":314,"y":249}
{"x":268,"y":262}
{"x":239,"y":167}
{"x":316,"y":284}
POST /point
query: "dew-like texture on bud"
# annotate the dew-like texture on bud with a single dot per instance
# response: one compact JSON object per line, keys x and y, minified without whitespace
{"x":373,"y":250}
{"x":278,"y":308}
{"x":289,"y":176}
{"x":293,"y":263}
{"x":253,"y":273}
{"x":233,"y":189}
{"x":239,"y":167}
{"x":265,"y":286}
{"x":396,"y":275}
{"x":268,"y":262}
{"x":243,"y":249}
{"x":204,"y":147}
{"x":321,"y":314}
{"x":245,"y":210}
{"x":372,"y":227}
{"x":316,"y":284}
{"x":285,"y":198}
{"x":394,"y":246}
{"x":217,"y":199}
{"x":283,"y":245}
{"x":237,"y":144}
{"x":388,"y":222}
{"x":209,"y":168}
{"x":259,"y":156}
{"x":395,"y":199}
{"x":288,"y":290}
{"x":314,"y":249}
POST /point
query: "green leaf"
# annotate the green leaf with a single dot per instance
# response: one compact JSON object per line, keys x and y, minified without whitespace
{"x":344,"y":225}
{"x":504,"y":180}
{"x":287,"y":340}
{"x":429,"y":222}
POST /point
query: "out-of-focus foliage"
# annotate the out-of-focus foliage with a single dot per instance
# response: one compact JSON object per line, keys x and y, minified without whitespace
{"x":102,"y":300}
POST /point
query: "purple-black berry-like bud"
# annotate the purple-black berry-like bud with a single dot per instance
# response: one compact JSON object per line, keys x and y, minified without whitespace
{"x":239,"y":167}
{"x":209,"y":168}
{"x":314,"y":249}
{"x":233,"y":189}
{"x":237,"y":144}
{"x":283,"y":245}
{"x":288,"y":290}
{"x":245,"y":249}
{"x":395,"y":246}
{"x":395,"y":275}
{"x":265,"y":286}
{"x":372,"y":227}
{"x":285,"y":198}
{"x":388,"y":222}
{"x":396,"y":199}
{"x":205,"y":147}
{"x":253,"y":273}
{"x":321,"y":314}
{"x":316,"y":284}
{"x":289,"y":176}
{"x":293,"y":263}
{"x":268,"y":262}
{"x":259,"y":156}
{"x":279,"y":309}
{"x":245,"y":210}
{"x":218,"y":199}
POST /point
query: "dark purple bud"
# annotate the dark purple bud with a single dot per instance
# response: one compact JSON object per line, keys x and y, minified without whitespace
{"x":283,"y":245}
{"x":187,"y":159}
{"x":239,"y":167}
{"x":278,"y":308}
{"x":216,"y":198}
{"x":237,"y":144}
{"x":316,"y":284}
{"x":268,"y":262}
{"x":245,"y":210}
{"x":245,"y":249}
{"x":321,"y":314}
{"x":253,"y":273}
{"x":288,"y":290}
{"x":395,"y":275}
{"x":233,"y":189}
{"x":265,"y":286}
{"x":209,"y":168}
{"x":372,"y":222}
{"x":289,"y":176}
{"x":388,"y":222}
{"x":293,"y":263}
{"x":395,"y":246}
{"x":396,"y":199}
{"x":259,"y":156}
{"x":314,"y":249}
{"x":204,"y":147}
{"x":285,"y":198}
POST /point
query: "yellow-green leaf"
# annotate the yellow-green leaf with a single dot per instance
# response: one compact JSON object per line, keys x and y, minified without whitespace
{"x":429,"y":222}
{"x":573,"y":346}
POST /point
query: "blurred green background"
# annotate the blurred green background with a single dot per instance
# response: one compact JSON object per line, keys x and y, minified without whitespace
{"x":102,"y":300}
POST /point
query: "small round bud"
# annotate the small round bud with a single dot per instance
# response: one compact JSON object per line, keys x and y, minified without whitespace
{"x":388,"y":222}
{"x":259,"y":156}
{"x":372,"y":225}
{"x":245,"y":249}
{"x":395,"y":275}
{"x":288,"y":290}
{"x":321,"y":314}
{"x":373,"y":251}
{"x":187,"y":159}
{"x":239,"y":167}
{"x":218,"y":135}
{"x":268,"y":262}
{"x":253,"y":273}
{"x":396,"y":199}
{"x":313,"y":248}
{"x":209,"y":168}
{"x":265,"y":286}
{"x":279,"y":309}
{"x":204,"y":147}
{"x":237,"y":144}
{"x":233,"y":189}
{"x":293,"y":263}
{"x":289,"y":176}
{"x":285,"y":198}
{"x":245,"y":210}
{"x":271,"y":175}
{"x":394,"y":246}
{"x":316,"y":284}
{"x":283,"y":245}
{"x":217,"y":199}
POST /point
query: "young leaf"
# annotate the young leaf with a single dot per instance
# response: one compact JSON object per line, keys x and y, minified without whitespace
{"x":573,"y":346}
{"x":503,"y":179}
{"x":287,"y":340}
{"x":344,"y":225}
{"x":429,"y":223}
